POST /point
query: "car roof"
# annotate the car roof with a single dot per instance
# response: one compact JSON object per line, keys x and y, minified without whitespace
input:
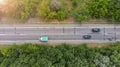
{"x":44,"y":38}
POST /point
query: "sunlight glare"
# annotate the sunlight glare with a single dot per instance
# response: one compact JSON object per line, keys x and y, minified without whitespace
{"x":1,"y":1}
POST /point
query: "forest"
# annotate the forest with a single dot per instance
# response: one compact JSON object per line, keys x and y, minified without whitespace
{"x":80,"y":10}
{"x":62,"y":55}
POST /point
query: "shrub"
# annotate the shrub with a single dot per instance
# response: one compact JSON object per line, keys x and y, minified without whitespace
{"x":98,"y":9}
{"x":75,"y":2}
{"x":61,"y":15}
{"x":81,"y":15}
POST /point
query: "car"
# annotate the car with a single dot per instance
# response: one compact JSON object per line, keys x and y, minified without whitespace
{"x":96,"y":30}
{"x":44,"y":38}
{"x":87,"y":36}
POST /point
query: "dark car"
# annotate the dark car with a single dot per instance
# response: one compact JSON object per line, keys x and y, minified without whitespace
{"x":87,"y":36}
{"x":96,"y":30}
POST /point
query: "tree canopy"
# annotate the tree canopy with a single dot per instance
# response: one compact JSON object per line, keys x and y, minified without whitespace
{"x":64,"y":55}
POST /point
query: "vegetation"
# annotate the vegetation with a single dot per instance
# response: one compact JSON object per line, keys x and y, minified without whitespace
{"x":24,"y":9}
{"x":81,"y":10}
{"x":64,"y":55}
{"x":109,"y":9}
{"x":81,"y":15}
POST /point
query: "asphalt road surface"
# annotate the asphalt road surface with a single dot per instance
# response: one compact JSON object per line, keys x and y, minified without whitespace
{"x":59,"y":33}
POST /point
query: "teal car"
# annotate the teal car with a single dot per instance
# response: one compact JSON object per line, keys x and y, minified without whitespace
{"x":44,"y":38}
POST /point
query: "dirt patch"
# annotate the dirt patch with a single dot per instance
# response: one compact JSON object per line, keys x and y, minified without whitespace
{"x":97,"y":21}
{"x":69,"y":20}
{"x":6,"y":20}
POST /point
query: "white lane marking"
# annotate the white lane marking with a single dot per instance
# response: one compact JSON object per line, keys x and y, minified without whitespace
{"x":59,"y":27}
{"x":7,"y":27}
{"x":6,"y":34}
{"x":18,"y":41}
{"x":44,"y":34}
{"x":54,"y":33}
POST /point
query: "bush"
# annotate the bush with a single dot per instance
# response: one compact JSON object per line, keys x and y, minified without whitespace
{"x":81,"y":15}
{"x":109,"y":9}
{"x":98,"y":8}
{"x":61,"y":15}
{"x":114,"y":10}
{"x":75,"y":2}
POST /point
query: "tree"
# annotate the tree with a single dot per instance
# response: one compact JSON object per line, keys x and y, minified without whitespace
{"x":81,"y":15}
{"x":114,"y":10}
{"x":44,"y":10}
{"x":98,"y":8}
{"x":103,"y":61}
{"x":108,"y":9}
{"x":51,"y":10}
{"x":115,"y":58}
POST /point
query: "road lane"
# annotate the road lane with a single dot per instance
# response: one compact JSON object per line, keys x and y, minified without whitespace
{"x":59,"y":33}
{"x":51,"y":37}
{"x":7,"y":30}
{"x":97,"y":36}
{"x":65,"y":37}
{"x":83,"y":30}
{"x":68,"y":31}
{"x":19,"y":37}
{"x":39,"y":30}
{"x":117,"y":30}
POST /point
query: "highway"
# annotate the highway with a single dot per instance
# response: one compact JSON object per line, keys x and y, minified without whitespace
{"x":58,"y":33}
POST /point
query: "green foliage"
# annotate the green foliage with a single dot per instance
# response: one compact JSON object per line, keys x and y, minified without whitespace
{"x":114,"y":10}
{"x":44,"y":10}
{"x":103,"y":61}
{"x":60,"y":9}
{"x":64,"y":55}
{"x":10,"y":52}
{"x":81,"y":15}
{"x":61,"y":15}
{"x":75,"y":2}
{"x":115,"y":58}
{"x":98,"y":8}
{"x":7,"y":61}
{"x":109,"y":9}
{"x":48,"y":13}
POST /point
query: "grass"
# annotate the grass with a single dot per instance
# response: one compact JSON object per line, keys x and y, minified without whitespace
{"x":4,"y":46}
{"x":91,"y":45}
{"x":99,"y":45}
